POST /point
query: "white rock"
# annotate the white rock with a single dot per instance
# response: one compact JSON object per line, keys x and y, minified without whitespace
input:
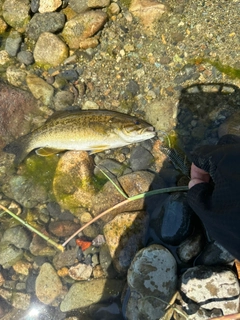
{"x":49,"y":5}
{"x":40,"y":88}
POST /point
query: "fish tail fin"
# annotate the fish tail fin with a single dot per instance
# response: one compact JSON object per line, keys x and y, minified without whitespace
{"x":19,"y":148}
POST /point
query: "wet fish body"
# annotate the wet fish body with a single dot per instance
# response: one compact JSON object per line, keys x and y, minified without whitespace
{"x":93,"y":131}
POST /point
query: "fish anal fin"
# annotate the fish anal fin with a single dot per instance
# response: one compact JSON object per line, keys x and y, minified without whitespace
{"x":100,"y":148}
{"x":46,"y":152}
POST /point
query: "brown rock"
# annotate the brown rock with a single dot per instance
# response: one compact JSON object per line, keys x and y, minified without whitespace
{"x":83,"y":26}
{"x":63,"y":228}
{"x":133,"y":184}
{"x":125,"y":235}
{"x":148,"y":11}
{"x":17,"y":108}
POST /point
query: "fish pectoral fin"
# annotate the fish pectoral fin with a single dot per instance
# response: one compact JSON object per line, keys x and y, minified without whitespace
{"x":46,"y":152}
{"x":100,"y":148}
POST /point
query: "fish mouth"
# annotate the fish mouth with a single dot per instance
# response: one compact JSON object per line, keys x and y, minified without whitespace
{"x":149,"y":129}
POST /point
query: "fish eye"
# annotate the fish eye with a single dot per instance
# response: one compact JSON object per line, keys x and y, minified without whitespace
{"x":137,"y":122}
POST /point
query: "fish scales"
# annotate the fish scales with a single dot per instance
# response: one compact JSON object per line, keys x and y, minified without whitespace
{"x":93,"y":131}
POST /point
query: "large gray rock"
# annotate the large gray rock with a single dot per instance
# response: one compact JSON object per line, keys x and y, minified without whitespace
{"x":152,"y":279}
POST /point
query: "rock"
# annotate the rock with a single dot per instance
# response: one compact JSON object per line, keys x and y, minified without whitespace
{"x":13,"y":43}
{"x":106,"y":261}
{"x":162,"y":114}
{"x":80,"y":272}
{"x":17,"y":107}
{"x":85,"y":293}
{"x":49,"y":50}
{"x":25,"y":191}
{"x":63,"y":228}
{"x":133,"y":184}
{"x":17,"y":77}
{"x":40,"y":247}
{"x":140,"y":158}
{"x":92,"y":230}
{"x":48,"y":284}
{"x":108,"y":311}
{"x":40,"y":88}
{"x":214,"y":254}
{"x":79,"y":6}
{"x":63,"y":100}
{"x":3,"y":26}
{"x":230,"y":126}
{"x":148,"y":11}
{"x":22,"y":267}
{"x":191,"y":247}
{"x":25,"y":57}
{"x":152,"y":276}
{"x":73,"y":180}
{"x":175,"y":220}
{"x":83,"y":26}
{"x":45,"y":22}
{"x":89,"y":43}
{"x":98,"y":3}
{"x":125,"y":235}
{"x":9,"y":254}
{"x":16,"y":14}
{"x":19,"y":236}
{"x":49,"y":5}
{"x":65,"y":259}
{"x":209,"y":288}
{"x":114,"y":9}
{"x":18,"y":300}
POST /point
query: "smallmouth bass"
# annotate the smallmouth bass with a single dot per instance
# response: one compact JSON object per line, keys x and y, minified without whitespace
{"x":94,"y":131}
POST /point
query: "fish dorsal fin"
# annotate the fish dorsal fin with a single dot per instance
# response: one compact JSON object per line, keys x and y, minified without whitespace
{"x":46,"y":152}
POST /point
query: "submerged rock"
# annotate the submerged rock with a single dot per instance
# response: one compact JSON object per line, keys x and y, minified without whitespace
{"x":73,"y":181}
{"x":48,"y":284}
{"x":152,"y":278}
{"x":125,"y":235}
{"x":86,"y":293}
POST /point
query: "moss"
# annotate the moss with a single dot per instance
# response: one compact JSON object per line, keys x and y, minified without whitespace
{"x":41,"y":170}
{"x":231,"y":72}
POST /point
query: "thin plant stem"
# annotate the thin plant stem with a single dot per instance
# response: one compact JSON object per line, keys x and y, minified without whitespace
{"x":27,"y":225}
{"x":138,"y":196}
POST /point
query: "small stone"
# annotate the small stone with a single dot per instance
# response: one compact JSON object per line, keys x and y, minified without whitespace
{"x":16,"y":14}
{"x":90,"y":105}
{"x":16,"y":77}
{"x":25,"y":57}
{"x":114,"y":8}
{"x":3,"y":26}
{"x":4,"y":57}
{"x":148,"y":12}
{"x":48,"y":284}
{"x":50,"y":50}
{"x":22,"y":267}
{"x":40,"y":88}
{"x":64,"y":228}
{"x":63,"y":100}
{"x":98,"y":3}
{"x":40,"y":247}
{"x":19,"y":236}
{"x":140,"y":158}
{"x":83,"y":26}
{"x":65,"y":259}
{"x":80,"y":272}
{"x":45,"y":22}
{"x":79,"y":6}
{"x":49,"y":5}
{"x":25,"y":192}
{"x":9,"y":254}
{"x":88,"y":43}
{"x":13,"y":43}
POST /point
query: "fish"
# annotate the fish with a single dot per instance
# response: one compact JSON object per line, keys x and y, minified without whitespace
{"x":89,"y":130}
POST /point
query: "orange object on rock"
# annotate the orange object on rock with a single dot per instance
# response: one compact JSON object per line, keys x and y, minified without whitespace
{"x":83,"y":244}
